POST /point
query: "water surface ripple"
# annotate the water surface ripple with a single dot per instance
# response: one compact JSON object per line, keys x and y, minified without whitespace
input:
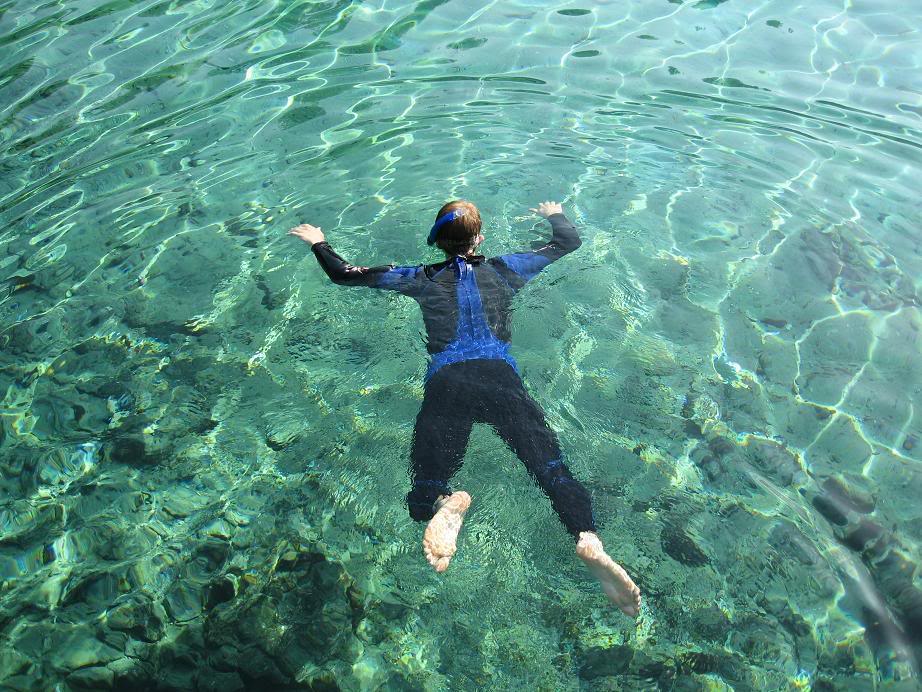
{"x":203,"y":443}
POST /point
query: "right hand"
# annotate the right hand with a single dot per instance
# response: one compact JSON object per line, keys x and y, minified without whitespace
{"x":307,"y":233}
{"x":546,"y":209}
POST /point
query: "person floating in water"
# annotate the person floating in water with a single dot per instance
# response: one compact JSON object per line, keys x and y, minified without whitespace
{"x":472,"y":377}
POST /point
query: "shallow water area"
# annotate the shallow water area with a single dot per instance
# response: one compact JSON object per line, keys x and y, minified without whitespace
{"x":203,"y":442}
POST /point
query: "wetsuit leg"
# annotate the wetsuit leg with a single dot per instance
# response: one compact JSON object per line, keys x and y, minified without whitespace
{"x":443,"y":427}
{"x":520,"y":422}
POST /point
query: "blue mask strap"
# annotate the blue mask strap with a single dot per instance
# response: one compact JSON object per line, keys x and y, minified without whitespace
{"x":441,"y":221}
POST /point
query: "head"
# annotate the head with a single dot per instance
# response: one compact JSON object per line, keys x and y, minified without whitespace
{"x":461,"y":235}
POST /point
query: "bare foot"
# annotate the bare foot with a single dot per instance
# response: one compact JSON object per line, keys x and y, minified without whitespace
{"x":442,"y":530}
{"x":616,"y":584}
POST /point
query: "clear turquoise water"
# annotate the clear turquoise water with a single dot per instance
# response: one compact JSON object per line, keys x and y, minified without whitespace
{"x":203,"y":444}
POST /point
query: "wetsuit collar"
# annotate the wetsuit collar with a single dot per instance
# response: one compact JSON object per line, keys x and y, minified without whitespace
{"x":469,"y":259}
{"x":458,"y":261}
{"x":461,"y":263}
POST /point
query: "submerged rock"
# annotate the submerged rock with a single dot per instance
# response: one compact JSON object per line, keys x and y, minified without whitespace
{"x":76,"y":646}
{"x":301,"y":616}
{"x":92,"y":678}
{"x":13,"y":663}
{"x":775,"y":462}
{"x":600,"y":662}
{"x":681,"y":547}
{"x":138,"y":617}
{"x":132,"y":450}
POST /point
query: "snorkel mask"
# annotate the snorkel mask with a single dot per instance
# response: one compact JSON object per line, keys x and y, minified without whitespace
{"x":441,"y":221}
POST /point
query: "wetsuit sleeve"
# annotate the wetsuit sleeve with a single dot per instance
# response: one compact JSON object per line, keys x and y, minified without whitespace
{"x":405,"y":280}
{"x":520,"y":267}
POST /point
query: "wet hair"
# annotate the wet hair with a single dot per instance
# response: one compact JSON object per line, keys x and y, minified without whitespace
{"x":459,"y":236}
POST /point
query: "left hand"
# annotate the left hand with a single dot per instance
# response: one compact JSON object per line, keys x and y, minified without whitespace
{"x":307,"y":233}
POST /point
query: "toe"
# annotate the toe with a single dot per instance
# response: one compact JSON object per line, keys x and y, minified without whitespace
{"x":630,"y":609}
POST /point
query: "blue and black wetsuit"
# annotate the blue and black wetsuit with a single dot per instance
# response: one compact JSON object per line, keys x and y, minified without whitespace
{"x":472,"y":377}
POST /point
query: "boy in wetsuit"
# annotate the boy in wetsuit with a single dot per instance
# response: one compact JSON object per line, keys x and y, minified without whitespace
{"x":472,"y":377}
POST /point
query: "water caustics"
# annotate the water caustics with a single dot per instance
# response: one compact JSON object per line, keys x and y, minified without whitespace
{"x":203,"y":444}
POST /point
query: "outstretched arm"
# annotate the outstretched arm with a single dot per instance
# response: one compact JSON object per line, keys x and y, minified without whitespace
{"x":565,"y":238}
{"x":403,"y":279}
{"x":523,"y":266}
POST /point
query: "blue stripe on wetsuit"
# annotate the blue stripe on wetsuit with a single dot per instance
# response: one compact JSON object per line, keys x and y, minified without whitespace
{"x":526,"y":264}
{"x":401,"y":279}
{"x":474,"y":339}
